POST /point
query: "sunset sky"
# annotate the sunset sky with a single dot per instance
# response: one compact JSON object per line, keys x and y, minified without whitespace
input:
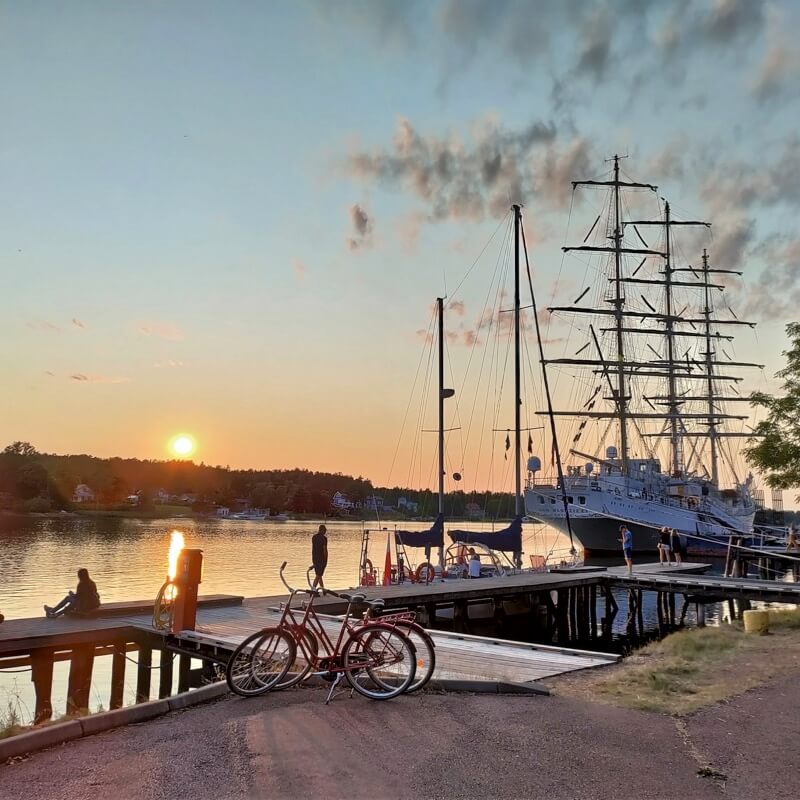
{"x":230,"y":219}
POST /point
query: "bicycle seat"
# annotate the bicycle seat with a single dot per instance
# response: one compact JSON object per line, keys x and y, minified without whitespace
{"x":352,"y":598}
{"x":375,"y":605}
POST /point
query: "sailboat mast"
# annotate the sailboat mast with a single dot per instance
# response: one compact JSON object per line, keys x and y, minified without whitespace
{"x":440,"y":308}
{"x":619,"y":302}
{"x":672,"y":391}
{"x":517,"y":388}
{"x":712,"y":422}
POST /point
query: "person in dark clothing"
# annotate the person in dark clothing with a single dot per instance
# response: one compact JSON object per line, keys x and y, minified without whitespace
{"x":84,"y":598}
{"x":664,"y":545}
{"x":319,"y":555}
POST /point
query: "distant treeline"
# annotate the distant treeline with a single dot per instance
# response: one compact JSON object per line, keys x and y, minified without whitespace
{"x":33,"y":481}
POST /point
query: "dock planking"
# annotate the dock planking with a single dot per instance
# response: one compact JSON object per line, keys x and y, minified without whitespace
{"x":458,"y":656}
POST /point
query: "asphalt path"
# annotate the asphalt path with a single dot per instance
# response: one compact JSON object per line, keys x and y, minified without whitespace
{"x":290,"y":745}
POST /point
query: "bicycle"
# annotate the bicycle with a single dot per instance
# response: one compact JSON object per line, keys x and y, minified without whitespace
{"x":406,"y":620}
{"x":377,"y":659}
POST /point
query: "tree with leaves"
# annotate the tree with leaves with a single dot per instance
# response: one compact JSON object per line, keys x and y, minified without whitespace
{"x":21,"y":449}
{"x":775,"y":446}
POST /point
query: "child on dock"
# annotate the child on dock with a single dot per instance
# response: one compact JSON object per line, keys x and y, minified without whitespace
{"x":84,"y":598}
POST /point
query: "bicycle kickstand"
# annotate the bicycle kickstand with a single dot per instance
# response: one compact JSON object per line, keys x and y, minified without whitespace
{"x":334,"y":684}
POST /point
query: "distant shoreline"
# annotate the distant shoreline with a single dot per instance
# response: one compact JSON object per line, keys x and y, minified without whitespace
{"x":157,"y":514}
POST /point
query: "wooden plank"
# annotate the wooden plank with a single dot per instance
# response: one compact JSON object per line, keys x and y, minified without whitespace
{"x":42,"y":678}
{"x":80,"y":679}
{"x":118,"y":660}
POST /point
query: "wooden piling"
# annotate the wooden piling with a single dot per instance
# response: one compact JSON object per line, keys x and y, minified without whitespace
{"x":118,"y":660}
{"x":593,"y":611}
{"x":80,"y":679}
{"x":184,"y":667}
{"x":165,"y":676}
{"x":562,"y":615}
{"x":671,"y":607}
{"x":143,"y":673}
{"x":42,"y":678}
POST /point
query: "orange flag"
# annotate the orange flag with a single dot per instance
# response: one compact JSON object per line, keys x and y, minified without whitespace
{"x":387,"y":567}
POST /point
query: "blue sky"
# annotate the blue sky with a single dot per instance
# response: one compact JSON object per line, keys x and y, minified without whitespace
{"x":177,"y":224}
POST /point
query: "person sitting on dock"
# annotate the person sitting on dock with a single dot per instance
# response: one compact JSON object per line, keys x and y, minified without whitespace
{"x":664,"y":546}
{"x":474,"y":564}
{"x":85,"y":598}
{"x":627,"y":546}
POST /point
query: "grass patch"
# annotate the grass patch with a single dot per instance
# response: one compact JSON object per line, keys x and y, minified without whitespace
{"x":693,"y":668}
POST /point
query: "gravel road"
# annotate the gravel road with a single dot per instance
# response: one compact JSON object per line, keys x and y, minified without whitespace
{"x":290,"y":745}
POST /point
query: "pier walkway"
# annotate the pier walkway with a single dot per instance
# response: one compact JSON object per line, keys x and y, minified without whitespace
{"x":459,"y":657}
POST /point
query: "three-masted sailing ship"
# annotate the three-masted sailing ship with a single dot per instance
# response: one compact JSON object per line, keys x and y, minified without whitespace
{"x":654,"y":369}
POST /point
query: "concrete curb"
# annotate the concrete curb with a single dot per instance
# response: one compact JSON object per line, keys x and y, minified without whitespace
{"x":61,"y":732}
{"x":488,"y":687}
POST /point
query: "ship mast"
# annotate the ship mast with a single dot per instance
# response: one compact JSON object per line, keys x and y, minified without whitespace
{"x":619,"y":301}
{"x":709,"y":355}
{"x":670,"y":323}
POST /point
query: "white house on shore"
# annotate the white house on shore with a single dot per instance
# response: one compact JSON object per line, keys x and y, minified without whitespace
{"x":83,"y":494}
{"x":341,"y":502}
{"x":409,"y":506}
{"x":374,"y":502}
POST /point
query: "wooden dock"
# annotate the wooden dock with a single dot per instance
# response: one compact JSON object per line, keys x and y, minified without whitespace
{"x":568,"y":606}
{"x":459,"y":657}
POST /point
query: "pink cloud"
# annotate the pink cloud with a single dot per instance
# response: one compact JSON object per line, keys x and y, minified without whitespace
{"x":299,"y":268}
{"x":163,"y":330}
{"x":82,"y":378}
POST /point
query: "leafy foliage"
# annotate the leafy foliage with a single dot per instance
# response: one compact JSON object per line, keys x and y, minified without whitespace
{"x":775,"y":446}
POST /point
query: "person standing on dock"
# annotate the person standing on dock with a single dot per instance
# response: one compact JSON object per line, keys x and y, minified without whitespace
{"x":319,"y":555}
{"x":676,"y":544}
{"x":626,"y":537}
{"x":664,"y":546}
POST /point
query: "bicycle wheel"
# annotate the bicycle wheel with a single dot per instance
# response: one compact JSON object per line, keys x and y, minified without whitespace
{"x":379,"y":661}
{"x":260,"y":662}
{"x":305,"y":659}
{"x":426,"y":654}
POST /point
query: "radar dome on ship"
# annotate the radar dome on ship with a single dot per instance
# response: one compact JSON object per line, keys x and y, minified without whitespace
{"x":534,"y":464}
{"x":611,"y":452}
{"x":589,"y":467}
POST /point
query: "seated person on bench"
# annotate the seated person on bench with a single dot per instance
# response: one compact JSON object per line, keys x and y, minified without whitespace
{"x":84,"y":598}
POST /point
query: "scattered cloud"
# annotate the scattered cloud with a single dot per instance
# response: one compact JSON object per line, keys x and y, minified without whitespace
{"x":469,"y":180}
{"x":363,"y":226}
{"x":779,"y":68}
{"x":426,"y":336}
{"x":775,"y":294}
{"x":457,"y":307}
{"x":42,"y":325}
{"x":82,"y":378}
{"x":162,"y":330}
{"x":299,"y":269}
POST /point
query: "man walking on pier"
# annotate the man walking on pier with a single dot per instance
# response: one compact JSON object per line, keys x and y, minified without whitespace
{"x":319,"y":555}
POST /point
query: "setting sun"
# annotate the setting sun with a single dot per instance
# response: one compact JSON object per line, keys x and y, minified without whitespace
{"x":182,"y":445}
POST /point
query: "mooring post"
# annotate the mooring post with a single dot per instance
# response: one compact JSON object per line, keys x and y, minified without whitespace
{"x":700,"y":609}
{"x":42,"y":678}
{"x":165,"y":676}
{"x":118,"y":659}
{"x":143,"y":673}
{"x":80,"y":679}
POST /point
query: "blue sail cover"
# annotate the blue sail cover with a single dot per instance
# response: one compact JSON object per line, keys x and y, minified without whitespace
{"x":508,"y":540}
{"x":430,"y":538}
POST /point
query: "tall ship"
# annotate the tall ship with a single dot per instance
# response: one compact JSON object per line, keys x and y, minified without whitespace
{"x":656,"y":407}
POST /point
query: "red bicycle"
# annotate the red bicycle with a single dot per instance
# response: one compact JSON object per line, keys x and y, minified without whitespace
{"x":377,"y":659}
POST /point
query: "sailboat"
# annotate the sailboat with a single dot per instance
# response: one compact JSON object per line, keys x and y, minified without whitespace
{"x":507,"y":540}
{"x":665,"y":375}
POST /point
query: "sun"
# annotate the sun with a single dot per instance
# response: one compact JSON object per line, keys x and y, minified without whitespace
{"x":182,"y":445}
